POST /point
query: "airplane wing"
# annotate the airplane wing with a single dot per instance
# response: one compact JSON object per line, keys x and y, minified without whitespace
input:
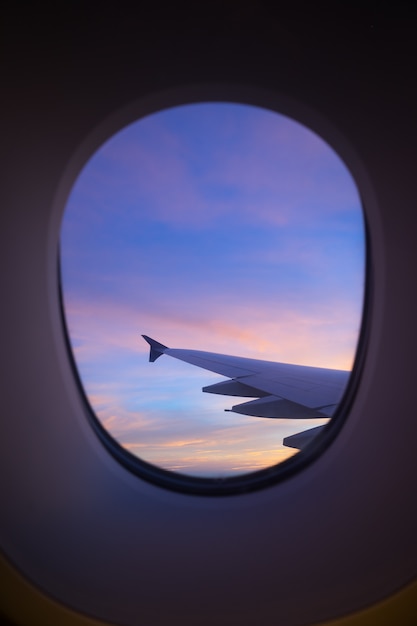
{"x":281,"y":390}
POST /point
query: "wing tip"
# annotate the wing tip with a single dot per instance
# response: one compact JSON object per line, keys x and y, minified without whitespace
{"x":157,"y":349}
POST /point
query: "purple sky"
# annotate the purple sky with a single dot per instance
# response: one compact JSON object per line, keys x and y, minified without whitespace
{"x":217,"y":227}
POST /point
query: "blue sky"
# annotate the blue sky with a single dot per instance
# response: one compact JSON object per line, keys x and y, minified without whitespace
{"x":212,"y":226}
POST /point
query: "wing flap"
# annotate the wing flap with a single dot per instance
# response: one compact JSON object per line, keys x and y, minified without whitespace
{"x":310,"y":395}
{"x":303,"y":439}
{"x":234,"y":387}
{"x":277,"y":408}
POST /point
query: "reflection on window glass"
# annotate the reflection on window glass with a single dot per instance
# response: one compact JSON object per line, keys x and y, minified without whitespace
{"x":224,"y":228}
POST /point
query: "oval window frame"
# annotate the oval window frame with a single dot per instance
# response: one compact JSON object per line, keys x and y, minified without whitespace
{"x":284,"y":105}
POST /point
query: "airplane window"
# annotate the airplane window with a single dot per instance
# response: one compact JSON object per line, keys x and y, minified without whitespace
{"x":212,"y":279}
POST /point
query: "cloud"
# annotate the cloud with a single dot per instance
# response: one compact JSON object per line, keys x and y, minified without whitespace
{"x":239,"y":448}
{"x":286,"y":171}
{"x":218,"y":451}
{"x":268,"y":169}
{"x":319,"y":334}
{"x":140,"y":176}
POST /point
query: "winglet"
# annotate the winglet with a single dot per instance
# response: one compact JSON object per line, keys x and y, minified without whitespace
{"x":156,"y":348}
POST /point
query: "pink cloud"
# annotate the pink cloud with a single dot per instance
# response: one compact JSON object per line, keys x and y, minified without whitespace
{"x":241,"y":448}
{"x":321,"y":334}
{"x":198,"y":456}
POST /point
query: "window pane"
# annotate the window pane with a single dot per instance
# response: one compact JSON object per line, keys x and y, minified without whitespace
{"x":219,"y":227}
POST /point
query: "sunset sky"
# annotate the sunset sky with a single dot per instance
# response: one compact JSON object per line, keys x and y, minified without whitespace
{"x":217,"y":227}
